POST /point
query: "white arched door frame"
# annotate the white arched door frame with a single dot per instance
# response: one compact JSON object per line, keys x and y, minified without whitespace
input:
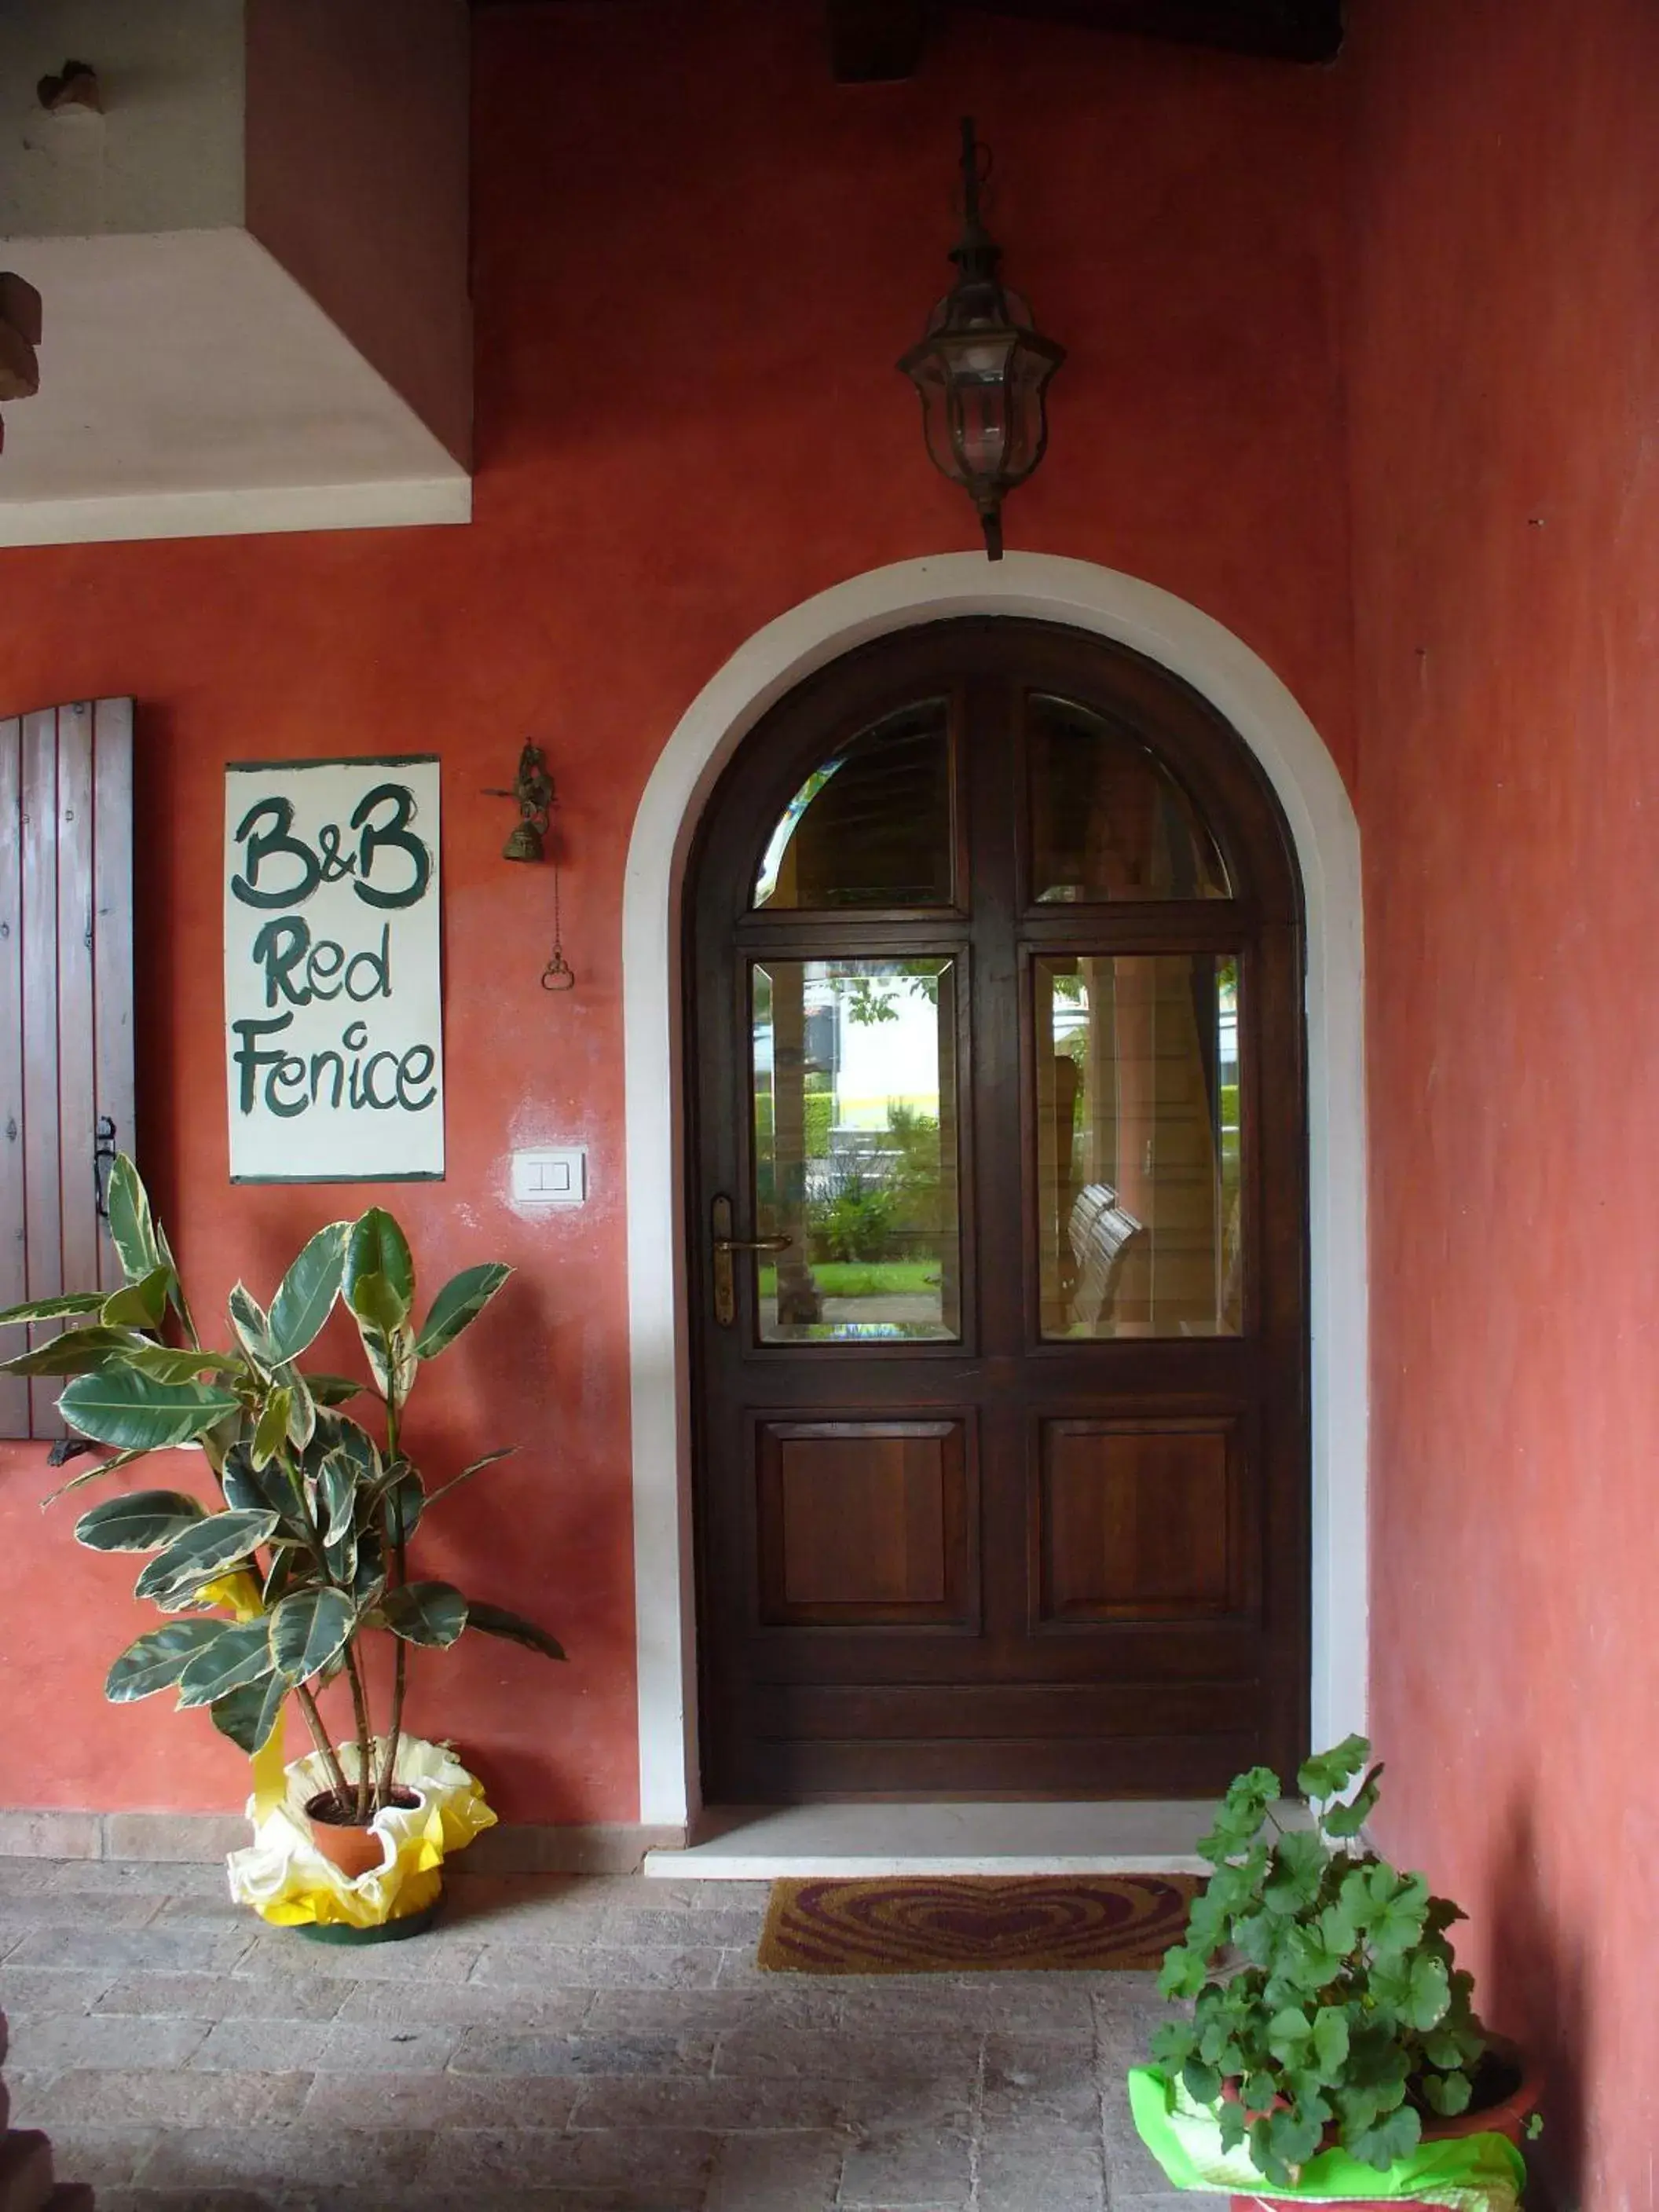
{"x":1193,"y":646}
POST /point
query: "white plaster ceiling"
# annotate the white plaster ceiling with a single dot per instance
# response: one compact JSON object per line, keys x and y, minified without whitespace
{"x":188,"y":384}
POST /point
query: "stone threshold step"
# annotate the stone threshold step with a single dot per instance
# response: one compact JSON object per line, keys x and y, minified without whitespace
{"x":760,"y":1842}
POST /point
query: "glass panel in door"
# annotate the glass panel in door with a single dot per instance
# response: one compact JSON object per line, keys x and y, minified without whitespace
{"x":1108,"y":821}
{"x":855,"y":1091}
{"x":871,"y":826}
{"x":1138,"y":1144}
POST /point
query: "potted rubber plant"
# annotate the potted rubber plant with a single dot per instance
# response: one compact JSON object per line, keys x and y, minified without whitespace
{"x":271,"y":1590}
{"x":1332,"y":2038}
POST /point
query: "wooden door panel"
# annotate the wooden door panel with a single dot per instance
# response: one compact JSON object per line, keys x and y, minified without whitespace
{"x":1066,"y":1552}
{"x":971,"y":1657}
{"x":803,"y":1770}
{"x":862,"y":1523}
{"x":1097,"y":1711}
{"x":1141,"y":1520}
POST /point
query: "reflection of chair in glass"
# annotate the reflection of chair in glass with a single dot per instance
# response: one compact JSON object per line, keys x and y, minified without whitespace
{"x":1101,"y":1231}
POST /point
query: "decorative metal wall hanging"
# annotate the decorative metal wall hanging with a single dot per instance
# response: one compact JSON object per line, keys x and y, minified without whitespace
{"x":534,"y":838}
{"x":983,"y":368}
{"x":532,"y":787}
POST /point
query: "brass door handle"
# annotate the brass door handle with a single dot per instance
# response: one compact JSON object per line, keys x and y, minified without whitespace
{"x":725,"y":1287}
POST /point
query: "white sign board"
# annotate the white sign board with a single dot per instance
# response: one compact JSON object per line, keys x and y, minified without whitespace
{"x":333,"y":1006}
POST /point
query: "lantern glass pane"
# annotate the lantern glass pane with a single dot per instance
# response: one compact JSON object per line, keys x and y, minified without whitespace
{"x":982,"y":429}
{"x":937,"y":420}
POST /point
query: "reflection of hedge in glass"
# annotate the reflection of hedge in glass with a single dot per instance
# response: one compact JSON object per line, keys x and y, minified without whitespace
{"x":881,"y":1205}
{"x":819,"y":1117}
{"x":856,"y":1221}
{"x":915,"y":1176}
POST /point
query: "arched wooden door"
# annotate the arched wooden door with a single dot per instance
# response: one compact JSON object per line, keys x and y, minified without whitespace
{"x":995,"y":1032}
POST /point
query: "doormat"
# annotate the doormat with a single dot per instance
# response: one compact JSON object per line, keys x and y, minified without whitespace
{"x":975,"y":1923}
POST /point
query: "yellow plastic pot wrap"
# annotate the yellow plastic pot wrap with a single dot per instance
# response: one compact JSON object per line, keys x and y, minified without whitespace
{"x":287,"y":1881}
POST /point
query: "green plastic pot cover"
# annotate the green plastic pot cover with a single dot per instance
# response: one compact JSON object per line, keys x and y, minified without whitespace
{"x":1473,"y":2173}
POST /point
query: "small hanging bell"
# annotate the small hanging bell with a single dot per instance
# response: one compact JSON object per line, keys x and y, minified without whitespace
{"x":525,"y":843}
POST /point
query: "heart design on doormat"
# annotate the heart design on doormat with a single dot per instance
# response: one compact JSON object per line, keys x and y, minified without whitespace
{"x":967,"y":1923}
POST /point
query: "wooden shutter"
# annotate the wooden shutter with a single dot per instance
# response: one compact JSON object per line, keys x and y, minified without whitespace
{"x":66,"y":1085}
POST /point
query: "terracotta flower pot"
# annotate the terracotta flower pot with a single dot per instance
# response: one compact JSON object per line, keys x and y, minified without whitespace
{"x":1508,"y":2117}
{"x":355,"y":1848}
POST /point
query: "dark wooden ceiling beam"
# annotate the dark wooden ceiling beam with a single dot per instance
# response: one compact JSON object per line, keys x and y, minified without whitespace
{"x":875,"y":41}
{"x":880,"y":41}
{"x":1282,"y":30}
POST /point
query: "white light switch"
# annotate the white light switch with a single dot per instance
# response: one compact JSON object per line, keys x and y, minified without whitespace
{"x":551,"y":1176}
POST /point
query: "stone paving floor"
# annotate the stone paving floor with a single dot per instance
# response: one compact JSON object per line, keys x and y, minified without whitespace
{"x":553,"y":2045}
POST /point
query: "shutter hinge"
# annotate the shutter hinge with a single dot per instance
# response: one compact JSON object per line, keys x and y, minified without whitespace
{"x":103,"y":1158}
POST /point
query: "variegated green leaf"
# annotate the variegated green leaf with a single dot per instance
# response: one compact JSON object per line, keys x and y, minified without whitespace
{"x":167,"y":1365}
{"x":268,"y":1489}
{"x":376,"y":1246}
{"x":59,"y":1309}
{"x":337,"y":1495}
{"x":144,"y":1520}
{"x":240,"y":1655}
{"x":181,"y":1304}
{"x":249,"y":1320}
{"x":94,"y":1473}
{"x":403,"y":1502}
{"x":157,"y":1660}
{"x":376,"y":1305}
{"x":340,"y":1557}
{"x":132,"y":1225}
{"x":424,"y":1613}
{"x":270,"y":1431}
{"x":204,"y":1552}
{"x":119,"y":1406}
{"x":76,"y":1352}
{"x":504,"y":1451}
{"x":361,"y":1452}
{"x":288,"y":1563}
{"x":459,"y":1303}
{"x":249,"y":1715}
{"x":369,"y":1580}
{"x":141,"y":1304}
{"x":302,"y":1408}
{"x":333,"y":1389}
{"x":308,"y":1291}
{"x":307,"y":1629}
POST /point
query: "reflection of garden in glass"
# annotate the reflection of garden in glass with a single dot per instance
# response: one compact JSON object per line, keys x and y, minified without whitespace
{"x":1139,"y":1144}
{"x":856,"y":1148}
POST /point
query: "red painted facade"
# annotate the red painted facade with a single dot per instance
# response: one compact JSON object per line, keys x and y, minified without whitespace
{"x":696,"y":260}
{"x":1504,"y":378}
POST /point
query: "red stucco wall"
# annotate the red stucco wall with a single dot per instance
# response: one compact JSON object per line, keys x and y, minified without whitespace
{"x":696,"y":260}
{"x":1504,"y":394}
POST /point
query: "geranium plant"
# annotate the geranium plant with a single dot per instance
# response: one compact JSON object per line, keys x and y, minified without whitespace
{"x":307,"y":1549}
{"x":1329,"y":2008}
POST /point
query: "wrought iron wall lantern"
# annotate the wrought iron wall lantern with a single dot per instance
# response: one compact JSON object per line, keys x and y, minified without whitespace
{"x":983,"y":368}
